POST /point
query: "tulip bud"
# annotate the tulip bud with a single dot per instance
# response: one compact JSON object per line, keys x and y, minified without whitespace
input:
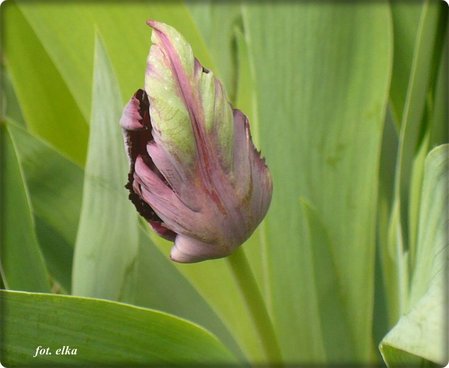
{"x":195,"y":174}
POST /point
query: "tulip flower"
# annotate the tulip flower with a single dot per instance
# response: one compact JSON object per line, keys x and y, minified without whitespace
{"x":195,"y":174}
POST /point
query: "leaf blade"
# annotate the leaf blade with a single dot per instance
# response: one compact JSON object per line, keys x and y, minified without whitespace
{"x":420,"y":334}
{"x":47,"y":105}
{"x":107,"y":239}
{"x":316,"y":111}
{"x":103,"y":332}
{"x":22,"y":264}
{"x":55,"y":194}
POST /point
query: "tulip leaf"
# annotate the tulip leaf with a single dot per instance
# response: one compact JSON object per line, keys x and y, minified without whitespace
{"x":11,"y":105}
{"x":55,"y":194}
{"x":47,"y":105}
{"x":102,"y":332}
{"x":107,"y":240}
{"x":320,"y":131}
{"x":405,"y":17}
{"x":440,"y":133}
{"x":22,"y":264}
{"x":325,"y":296}
{"x":419,"y":335}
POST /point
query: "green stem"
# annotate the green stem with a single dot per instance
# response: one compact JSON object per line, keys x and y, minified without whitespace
{"x":256,"y":305}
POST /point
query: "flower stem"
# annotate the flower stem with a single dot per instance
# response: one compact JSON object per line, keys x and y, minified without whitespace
{"x":256,"y":305}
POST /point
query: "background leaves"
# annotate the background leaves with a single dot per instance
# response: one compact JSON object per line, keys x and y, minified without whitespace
{"x":332,"y":162}
{"x":334,"y":92}
{"x":420,"y":331}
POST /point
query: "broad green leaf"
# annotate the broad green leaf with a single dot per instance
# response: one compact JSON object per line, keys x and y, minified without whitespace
{"x":126,"y":38}
{"x":47,"y":105}
{"x":22,"y":264}
{"x":107,"y":240}
{"x":55,"y":185}
{"x":325,"y":296}
{"x":102,"y":332}
{"x":320,"y":129}
{"x":420,"y":332}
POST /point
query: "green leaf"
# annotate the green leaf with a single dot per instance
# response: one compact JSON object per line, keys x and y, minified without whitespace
{"x":388,"y":270}
{"x":320,"y":130}
{"x":419,"y":336}
{"x":325,"y":296}
{"x":421,"y":75}
{"x":47,"y":105}
{"x":405,"y":15}
{"x":22,"y":264}
{"x":10,"y":104}
{"x":55,"y":187}
{"x":107,"y":240}
{"x":102,"y":332}
{"x":440,"y":133}
{"x":415,"y":129}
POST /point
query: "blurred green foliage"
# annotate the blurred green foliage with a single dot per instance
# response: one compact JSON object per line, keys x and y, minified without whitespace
{"x":347,"y":102}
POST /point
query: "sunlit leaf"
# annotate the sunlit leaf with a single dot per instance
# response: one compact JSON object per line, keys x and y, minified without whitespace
{"x":412,"y":148}
{"x":334,"y":91}
{"x":432,"y":16}
{"x":320,"y":130}
{"x":102,"y":332}
{"x":420,"y":333}
{"x":326,"y":295}
{"x":107,"y":240}
{"x":55,"y":187}
{"x":47,"y":105}
{"x":22,"y":264}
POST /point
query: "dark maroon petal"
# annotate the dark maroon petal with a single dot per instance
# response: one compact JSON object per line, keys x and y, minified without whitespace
{"x":136,"y":126}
